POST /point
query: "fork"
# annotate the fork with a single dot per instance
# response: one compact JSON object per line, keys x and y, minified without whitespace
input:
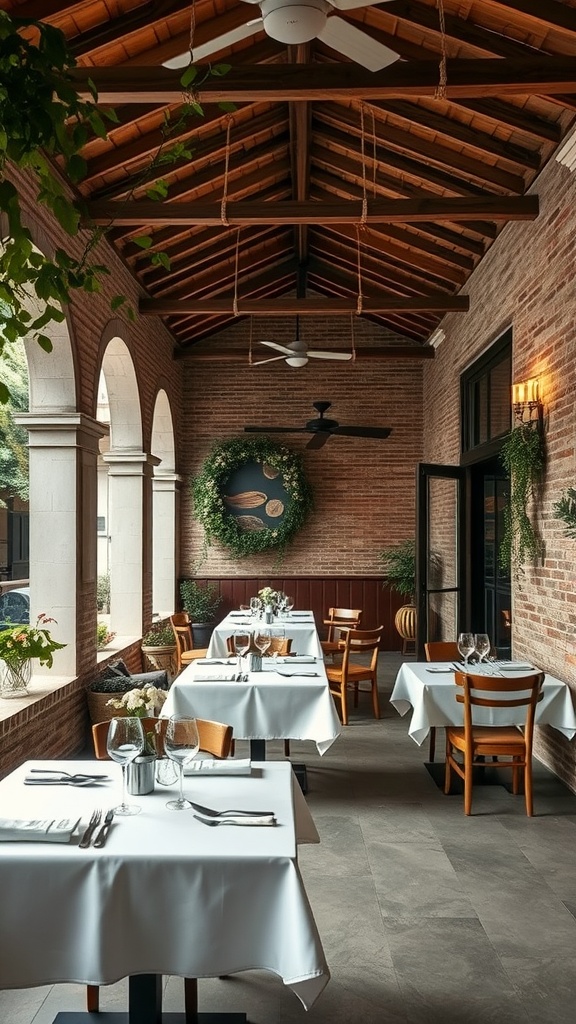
{"x":89,"y":832}
{"x":234,"y":821}
{"x":211,"y":813}
{"x":295,"y":675}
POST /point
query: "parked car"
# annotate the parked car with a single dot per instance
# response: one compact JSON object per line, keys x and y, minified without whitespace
{"x":15,"y":607}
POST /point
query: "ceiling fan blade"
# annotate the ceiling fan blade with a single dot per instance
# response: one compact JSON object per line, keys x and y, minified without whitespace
{"x":343,"y":37}
{"x":318,"y":439}
{"x":317,"y":353}
{"x":262,"y":362}
{"x":351,"y":5}
{"x":278,"y":348}
{"x":218,"y":43}
{"x":374,"y":432}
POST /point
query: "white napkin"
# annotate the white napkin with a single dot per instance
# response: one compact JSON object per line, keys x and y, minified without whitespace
{"x":211,"y":673}
{"x":515,"y":666}
{"x":297,"y":659}
{"x":37,"y":830}
{"x":440,"y":668}
{"x":211,"y":766}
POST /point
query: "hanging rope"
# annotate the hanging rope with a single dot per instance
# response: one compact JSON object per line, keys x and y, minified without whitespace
{"x":359,"y":303}
{"x":223,"y":216}
{"x":352,"y":337}
{"x":440,"y":93}
{"x":374,"y":153}
{"x":235,"y":302}
{"x":250,"y":342}
{"x":364,"y":214}
{"x":192,"y":28}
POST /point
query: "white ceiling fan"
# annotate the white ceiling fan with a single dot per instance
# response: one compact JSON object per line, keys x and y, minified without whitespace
{"x":300,"y":21}
{"x":296,"y":353}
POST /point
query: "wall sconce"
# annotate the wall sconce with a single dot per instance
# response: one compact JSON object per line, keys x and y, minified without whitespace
{"x":526,"y":402}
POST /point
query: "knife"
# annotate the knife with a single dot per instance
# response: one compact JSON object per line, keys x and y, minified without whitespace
{"x":89,"y":831}
{"x":103,"y":832}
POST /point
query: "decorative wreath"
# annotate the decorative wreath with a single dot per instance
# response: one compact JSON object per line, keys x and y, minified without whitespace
{"x":265,"y":516}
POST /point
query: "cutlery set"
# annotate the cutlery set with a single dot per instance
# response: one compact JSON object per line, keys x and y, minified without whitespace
{"x":231,"y":816}
{"x":90,"y":832}
{"x":61,"y":778}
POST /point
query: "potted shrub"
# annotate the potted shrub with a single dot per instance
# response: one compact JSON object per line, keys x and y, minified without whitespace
{"x":399,"y":565}
{"x":202,"y":602}
{"x":159,"y":648}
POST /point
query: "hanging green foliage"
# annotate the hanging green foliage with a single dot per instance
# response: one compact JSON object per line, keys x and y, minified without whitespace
{"x":14,"y":439}
{"x":565,"y":509}
{"x":522,"y":456}
{"x":251,"y":521}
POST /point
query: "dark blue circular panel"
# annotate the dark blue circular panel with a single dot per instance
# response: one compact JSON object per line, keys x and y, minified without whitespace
{"x":254,"y":494}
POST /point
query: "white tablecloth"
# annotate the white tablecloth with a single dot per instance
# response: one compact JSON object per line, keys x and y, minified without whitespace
{"x":167,"y":894}
{"x":300,"y":626}
{"x":432,"y":696}
{"x":267,"y":707}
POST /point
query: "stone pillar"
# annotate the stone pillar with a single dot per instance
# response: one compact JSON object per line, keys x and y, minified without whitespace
{"x":164,"y":493}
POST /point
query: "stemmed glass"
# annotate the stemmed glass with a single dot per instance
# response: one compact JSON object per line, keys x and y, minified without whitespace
{"x":262,"y":639}
{"x":241,"y":646}
{"x":125,"y":741}
{"x":466,"y":646}
{"x":288,"y":604}
{"x":255,"y":606}
{"x":482,"y":646}
{"x":181,"y":743}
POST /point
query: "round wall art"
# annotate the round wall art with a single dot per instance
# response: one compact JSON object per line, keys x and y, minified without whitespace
{"x":251,"y":495}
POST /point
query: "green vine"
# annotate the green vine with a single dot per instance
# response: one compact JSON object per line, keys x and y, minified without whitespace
{"x":210,"y":508}
{"x":43,"y":120}
{"x":522,"y":455}
{"x":565,"y":509}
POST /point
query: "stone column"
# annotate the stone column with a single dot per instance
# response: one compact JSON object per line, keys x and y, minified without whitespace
{"x":165,"y":487}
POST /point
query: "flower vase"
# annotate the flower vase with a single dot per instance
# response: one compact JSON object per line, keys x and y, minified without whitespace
{"x":15,"y":677}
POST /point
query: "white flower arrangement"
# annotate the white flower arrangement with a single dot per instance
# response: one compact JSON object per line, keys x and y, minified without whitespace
{"x":268,"y":596}
{"x":141,"y":702}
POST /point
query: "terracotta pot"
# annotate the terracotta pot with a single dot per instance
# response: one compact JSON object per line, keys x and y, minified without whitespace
{"x":160,"y":658}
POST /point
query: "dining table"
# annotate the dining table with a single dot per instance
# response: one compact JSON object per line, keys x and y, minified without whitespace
{"x":289,"y":698}
{"x":428,"y":689}
{"x":165,"y":895}
{"x":299,"y":626}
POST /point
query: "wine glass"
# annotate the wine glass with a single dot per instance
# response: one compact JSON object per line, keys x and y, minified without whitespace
{"x":181,"y":743}
{"x":241,"y":646}
{"x":482,"y":645}
{"x":466,"y":646}
{"x":125,"y":741}
{"x":255,"y":606}
{"x":289,"y":603}
{"x":277,"y":634}
{"x":262,"y":639}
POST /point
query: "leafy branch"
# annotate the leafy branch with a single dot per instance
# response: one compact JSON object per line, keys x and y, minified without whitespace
{"x":565,"y":509}
{"x":522,"y":456}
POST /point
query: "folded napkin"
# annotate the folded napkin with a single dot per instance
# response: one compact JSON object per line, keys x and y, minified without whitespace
{"x":440,"y":668}
{"x":244,"y":819}
{"x":37,"y":830}
{"x":515,"y":666}
{"x":212,"y":673}
{"x":211,"y":766}
{"x":296,"y":659}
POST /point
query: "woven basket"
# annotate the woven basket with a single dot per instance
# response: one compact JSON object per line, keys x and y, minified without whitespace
{"x":99,"y":709}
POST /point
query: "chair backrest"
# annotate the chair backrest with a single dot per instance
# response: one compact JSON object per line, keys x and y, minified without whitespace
{"x":344,"y":617}
{"x":278,"y":645}
{"x":499,"y":692}
{"x":215,"y":737}
{"x":182,"y":629}
{"x":442,"y":650}
{"x":361,"y":641}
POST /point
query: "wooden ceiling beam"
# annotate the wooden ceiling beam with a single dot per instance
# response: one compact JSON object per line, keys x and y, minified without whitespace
{"x":311,"y":306}
{"x":379,"y":211}
{"x":307,"y":83}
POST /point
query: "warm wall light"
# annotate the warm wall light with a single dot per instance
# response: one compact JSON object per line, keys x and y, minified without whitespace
{"x":526,"y":401}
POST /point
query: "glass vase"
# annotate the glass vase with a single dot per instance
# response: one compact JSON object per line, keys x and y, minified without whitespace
{"x":15,"y":677}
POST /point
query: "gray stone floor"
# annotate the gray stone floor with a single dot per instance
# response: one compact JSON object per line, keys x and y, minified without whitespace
{"x":427,"y":917}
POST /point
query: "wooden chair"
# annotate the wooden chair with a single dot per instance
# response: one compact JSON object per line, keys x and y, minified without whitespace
{"x":338,"y":620}
{"x":440,"y":650}
{"x":281,"y":645}
{"x":475,"y":742}
{"x":215,"y":739}
{"x":350,"y":673}
{"x":185,"y":650}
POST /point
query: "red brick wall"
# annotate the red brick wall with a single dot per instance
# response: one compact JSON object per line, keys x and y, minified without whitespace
{"x":527,"y":281}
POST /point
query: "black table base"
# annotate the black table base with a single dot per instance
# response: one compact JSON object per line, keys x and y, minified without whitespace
{"x":82,"y":1017}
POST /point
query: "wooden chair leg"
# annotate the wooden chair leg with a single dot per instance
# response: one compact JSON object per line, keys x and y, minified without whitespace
{"x":528,"y":794}
{"x":191,"y":1000}
{"x":286,"y":748}
{"x":375,"y":700}
{"x":344,"y":703}
{"x":93,"y":998}
{"x":432,"y":743}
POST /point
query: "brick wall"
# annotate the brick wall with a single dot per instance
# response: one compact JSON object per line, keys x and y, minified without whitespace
{"x":527,"y":281}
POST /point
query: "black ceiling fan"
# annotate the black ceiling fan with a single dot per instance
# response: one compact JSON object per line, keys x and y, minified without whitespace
{"x":322,"y":429}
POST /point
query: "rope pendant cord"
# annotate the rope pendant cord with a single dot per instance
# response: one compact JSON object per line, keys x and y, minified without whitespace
{"x":374,"y":153}
{"x":352,"y":337}
{"x":223,"y":204}
{"x":364,"y":214}
{"x":250,"y":363}
{"x":359,"y":303}
{"x":235,"y":302}
{"x":440,"y":93}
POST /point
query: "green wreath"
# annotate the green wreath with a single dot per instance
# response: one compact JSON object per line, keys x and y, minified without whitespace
{"x":232,"y":520}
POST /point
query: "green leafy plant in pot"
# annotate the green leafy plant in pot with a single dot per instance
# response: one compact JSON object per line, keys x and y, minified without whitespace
{"x":399,"y":565}
{"x":202,"y":602}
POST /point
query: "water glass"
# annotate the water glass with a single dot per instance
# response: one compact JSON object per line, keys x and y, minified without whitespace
{"x":482,"y":645}
{"x":241,"y":643}
{"x":125,"y":742}
{"x":466,"y":646}
{"x":262,"y":639}
{"x":181,"y":743}
{"x":255,"y":606}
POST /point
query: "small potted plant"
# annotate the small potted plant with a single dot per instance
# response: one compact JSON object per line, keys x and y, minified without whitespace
{"x":399,"y":565}
{"x":103,"y":635}
{"x":141,"y":702}
{"x":19,"y":645}
{"x":202,"y":602}
{"x":159,"y":648}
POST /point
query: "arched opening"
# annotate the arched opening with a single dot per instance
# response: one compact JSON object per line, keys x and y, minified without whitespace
{"x":164,"y":507}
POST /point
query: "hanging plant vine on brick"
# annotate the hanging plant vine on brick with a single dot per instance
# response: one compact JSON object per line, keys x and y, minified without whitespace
{"x":522,"y":455}
{"x":565,"y":510}
{"x":266,"y":512}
